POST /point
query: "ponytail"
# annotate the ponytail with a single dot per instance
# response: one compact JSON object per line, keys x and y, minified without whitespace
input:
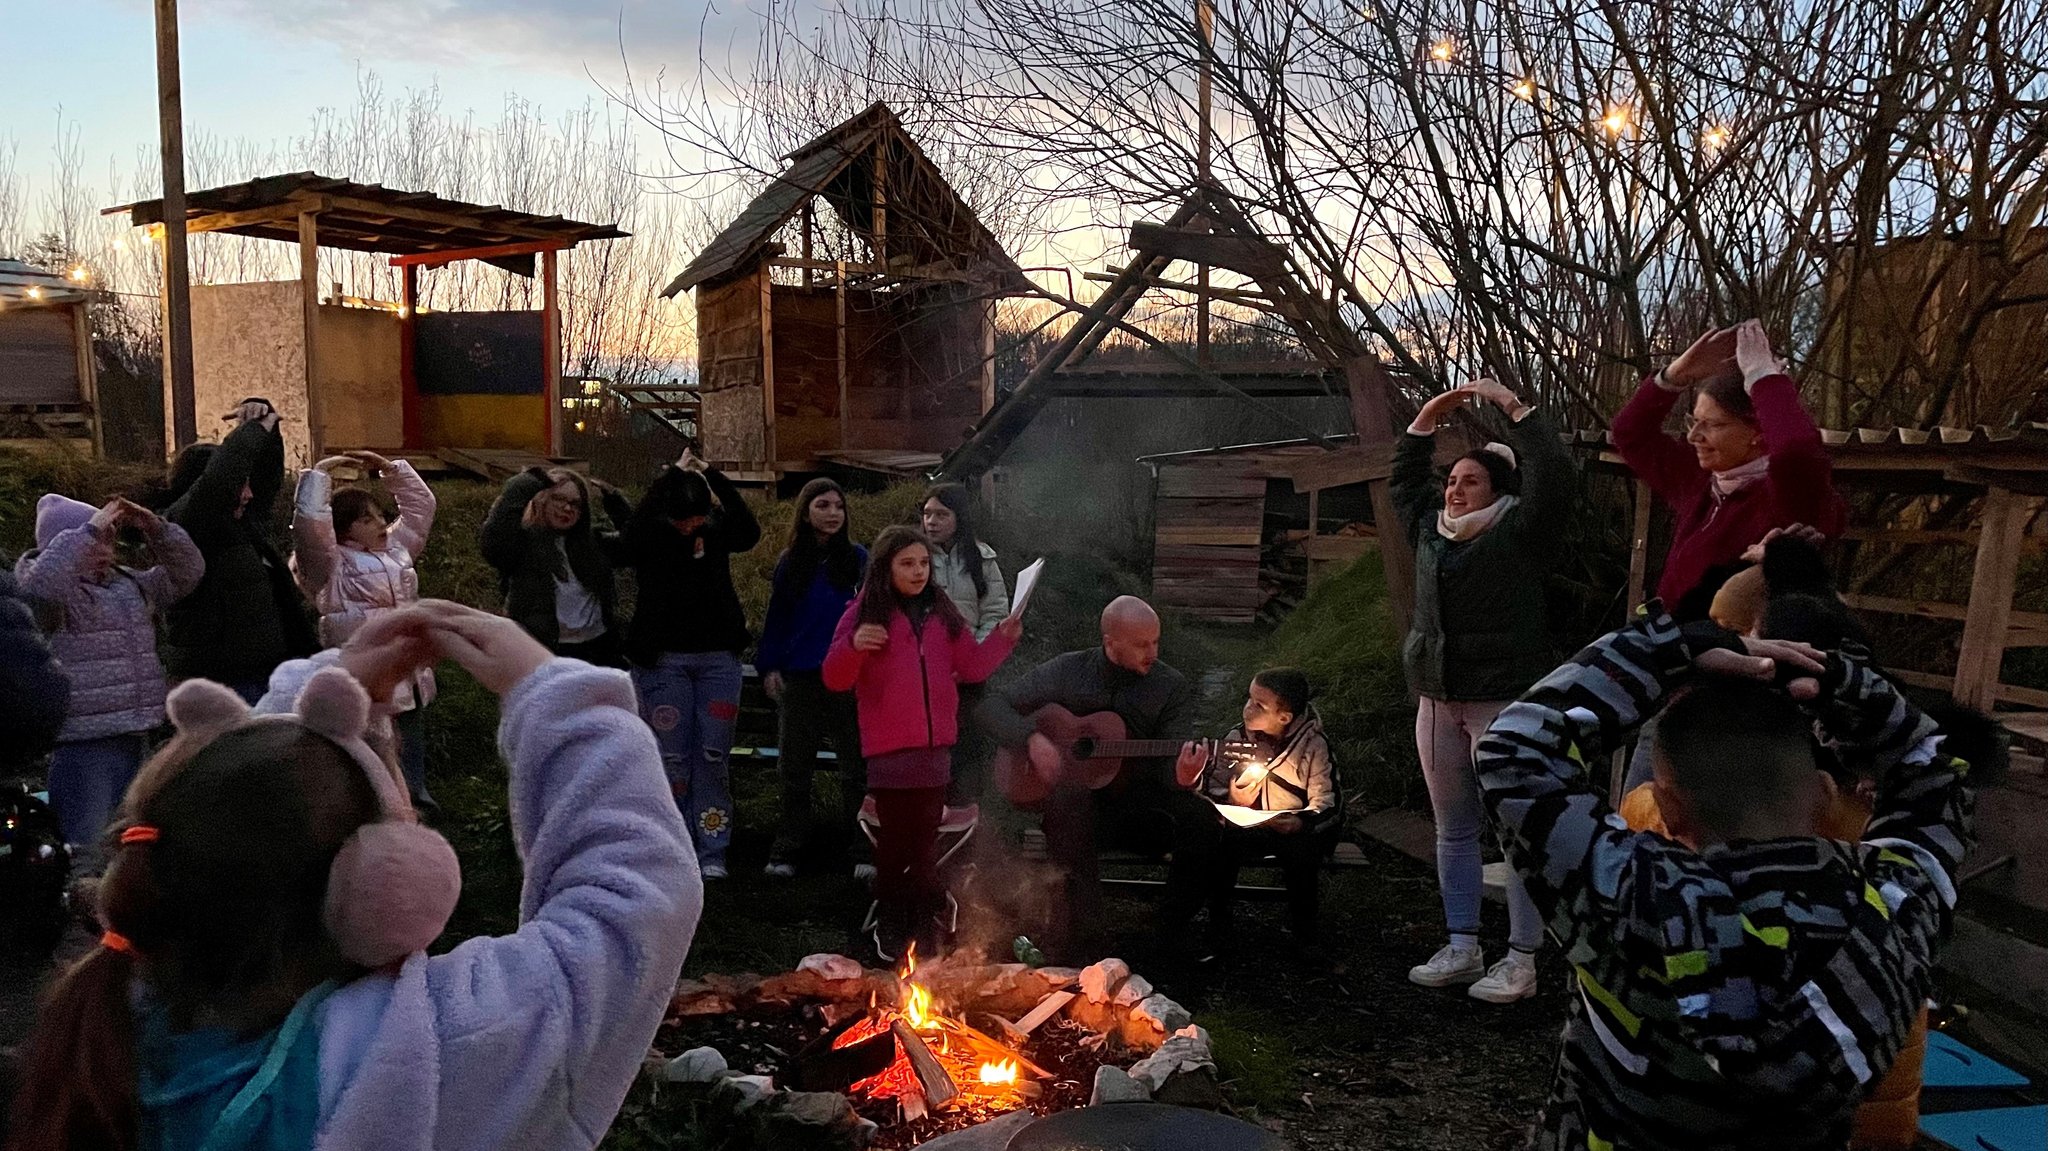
{"x":77,"y":1081}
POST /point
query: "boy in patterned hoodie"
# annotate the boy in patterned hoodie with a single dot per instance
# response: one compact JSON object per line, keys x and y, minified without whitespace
{"x":1743,"y":982}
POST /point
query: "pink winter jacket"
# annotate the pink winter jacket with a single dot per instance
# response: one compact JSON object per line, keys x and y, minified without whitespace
{"x":349,"y":585}
{"x":908,"y":693}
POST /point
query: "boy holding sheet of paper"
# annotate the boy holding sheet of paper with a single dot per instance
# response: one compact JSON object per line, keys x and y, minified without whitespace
{"x":1283,"y":802}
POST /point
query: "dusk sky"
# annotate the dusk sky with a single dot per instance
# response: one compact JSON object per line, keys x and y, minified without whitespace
{"x":260,"y":69}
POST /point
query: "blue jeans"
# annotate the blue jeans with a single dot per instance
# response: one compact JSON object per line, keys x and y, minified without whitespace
{"x":411,"y":726}
{"x":692,"y":702}
{"x":88,"y":777}
{"x":1446,"y":735}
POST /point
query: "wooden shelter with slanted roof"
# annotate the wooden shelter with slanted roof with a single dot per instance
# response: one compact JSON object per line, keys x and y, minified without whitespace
{"x":462,"y":383}
{"x":880,"y":363}
{"x":1108,"y":419}
{"x":48,"y":387}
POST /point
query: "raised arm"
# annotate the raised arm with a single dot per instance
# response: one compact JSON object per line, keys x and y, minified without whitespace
{"x":52,"y":573}
{"x":1549,"y":481}
{"x":1554,"y":823}
{"x":738,"y":530}
{"x":1664,"y":462}
{"x":1802,"y":473}
{"x":207,"y":509}
{"x":503,"y":536}
{"x":974,"y":660}
{"x":179,"y":566}
{"x":313,"y":542}
{"x":416,"y":506}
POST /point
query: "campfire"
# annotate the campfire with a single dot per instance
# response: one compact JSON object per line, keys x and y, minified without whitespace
{"x":935,"y":1061}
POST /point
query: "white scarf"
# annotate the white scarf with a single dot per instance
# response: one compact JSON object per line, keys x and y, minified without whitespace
{"x":1472,"y":525}
{"x":1740,"y":476}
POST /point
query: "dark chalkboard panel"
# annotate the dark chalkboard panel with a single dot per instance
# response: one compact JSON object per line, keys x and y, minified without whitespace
{"x":480,"y":353}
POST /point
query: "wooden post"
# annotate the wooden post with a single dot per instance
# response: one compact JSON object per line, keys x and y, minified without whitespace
{"x":1639,"y":550}
{"x":878,"y":216}
{"x":170,"y":101}
{"x":845,"y":394}
{"x":88,"y":374}
{"x":810,"y":228}
{"x":988,"y":356}
{"x":2004,"y":519}
{"x":1205,"y":31}
{"x":309,"y":293}
{"x":1367,"y":383}
{"x":414,"y":413}
{"x":551,"y":350}
{"x":768,"y":373}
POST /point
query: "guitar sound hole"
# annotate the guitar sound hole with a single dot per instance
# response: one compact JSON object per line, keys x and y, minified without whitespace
{"x":1084,"y":748}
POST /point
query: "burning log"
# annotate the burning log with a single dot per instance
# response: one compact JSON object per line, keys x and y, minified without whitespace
{"x":933,"y":1081}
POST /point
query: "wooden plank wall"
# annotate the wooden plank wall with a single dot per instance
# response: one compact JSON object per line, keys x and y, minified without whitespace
{"x":1209,"y":516}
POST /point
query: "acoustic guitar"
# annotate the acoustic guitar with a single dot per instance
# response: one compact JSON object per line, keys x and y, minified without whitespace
{"x":1092,"y":750}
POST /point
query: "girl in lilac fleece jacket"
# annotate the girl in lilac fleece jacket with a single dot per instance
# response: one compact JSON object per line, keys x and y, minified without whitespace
{"x":903,"y":649}
{"x":101,"y":618}
{"x":219,"y":1000}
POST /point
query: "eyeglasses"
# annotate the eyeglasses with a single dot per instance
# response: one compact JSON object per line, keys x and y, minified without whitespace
{"x":1694,"y":423}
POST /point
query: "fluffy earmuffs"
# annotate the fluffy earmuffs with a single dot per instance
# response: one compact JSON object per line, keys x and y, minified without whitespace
{"x":394,"y":883}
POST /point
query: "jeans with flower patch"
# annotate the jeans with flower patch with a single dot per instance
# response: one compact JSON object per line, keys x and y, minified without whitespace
{"x":692,"y":702}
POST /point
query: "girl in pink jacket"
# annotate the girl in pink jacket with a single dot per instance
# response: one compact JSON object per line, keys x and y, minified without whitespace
{"x":903,"y":649}
{"x":355,"y":562}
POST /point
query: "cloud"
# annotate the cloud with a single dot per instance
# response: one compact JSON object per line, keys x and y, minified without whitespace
{"x":567,"y":36}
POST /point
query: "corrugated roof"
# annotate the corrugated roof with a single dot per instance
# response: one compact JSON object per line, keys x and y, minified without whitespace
{"x":367,"y":217}
{"x":23,"y":283}
{"x":928,"y":221}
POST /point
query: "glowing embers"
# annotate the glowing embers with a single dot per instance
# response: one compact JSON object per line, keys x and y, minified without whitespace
{"x":940,"y":1062}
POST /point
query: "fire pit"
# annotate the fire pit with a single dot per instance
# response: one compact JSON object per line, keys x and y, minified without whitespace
{"x":862,"y":1058}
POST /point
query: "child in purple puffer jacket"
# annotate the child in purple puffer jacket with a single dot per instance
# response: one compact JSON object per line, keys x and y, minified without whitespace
{"x":101,"y":619}
{"x":903,"y":649}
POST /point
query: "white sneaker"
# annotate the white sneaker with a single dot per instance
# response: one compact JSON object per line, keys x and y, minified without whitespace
{"x":1511,"y":979}
{"x":713,"y":871}
{"x":780,"y":871}
{"x":864,"y":872}
{"x":1450,"y":965}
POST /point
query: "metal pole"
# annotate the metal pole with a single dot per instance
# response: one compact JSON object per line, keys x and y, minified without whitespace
{"x":177,"y":267}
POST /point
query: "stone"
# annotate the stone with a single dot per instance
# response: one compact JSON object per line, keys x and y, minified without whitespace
{"x":744,"y":1091}
{"x":1057,"y":978}
{"x":1152,"y":1020}
{"x":1197,"y":1088}
{"x":1185,"y":1050}
{"x":1112,"y":1085}
{"x":696,"y":997}
{"x":1135,"y":988}
{"x":791,"y":986}
{"x":830,"y":967}
{"x":993,"y":1135}
{"x":697,"y":1065}
{"x":1099,"y":981}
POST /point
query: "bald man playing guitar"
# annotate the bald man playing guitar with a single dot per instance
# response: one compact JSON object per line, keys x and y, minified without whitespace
{"x":1098,"y":741}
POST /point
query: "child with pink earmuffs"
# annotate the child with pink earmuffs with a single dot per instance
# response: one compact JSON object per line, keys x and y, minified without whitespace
{"x":262,"y":979}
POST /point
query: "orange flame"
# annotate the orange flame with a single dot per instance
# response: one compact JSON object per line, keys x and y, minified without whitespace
{"x":999,"y":1074}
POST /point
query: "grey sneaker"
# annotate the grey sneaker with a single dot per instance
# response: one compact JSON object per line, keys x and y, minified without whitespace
{"x":779,"y":870}
{"x":864,"y":872}
{"x":713,"y":871}
{"x":1450,"y":965}
{"x":1511,"y":979}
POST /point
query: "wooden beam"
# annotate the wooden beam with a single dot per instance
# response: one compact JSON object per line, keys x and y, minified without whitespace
{"x":522,"y":248}
{"x":177,"y":294}
{"x":88,"y":373}
{"x":2002,"y":520}
{"x":551,"y":349}
{"x":413,"y":410}
{"x":768,"y":369}
{"x":309,"y":292}
{"x":1356,"y":464}
{"x":839,"y":358}
{"x":1245,"y":255}
{"x":1639,"y":545}
{"x":1369,"y":387}
{"x":378,"y":210}
{"x":2033,"y":482}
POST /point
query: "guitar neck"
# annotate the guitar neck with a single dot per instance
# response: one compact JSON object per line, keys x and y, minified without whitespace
{"x":1134,"y":748}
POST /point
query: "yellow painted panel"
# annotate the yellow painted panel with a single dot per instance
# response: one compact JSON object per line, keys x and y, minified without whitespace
{"x":479,"y":421}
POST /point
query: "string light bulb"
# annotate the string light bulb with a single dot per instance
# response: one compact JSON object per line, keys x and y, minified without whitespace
{"x":1524,"y":90}
{"x":34,"y":292}
{"x":80,"y":275}
{"x":1617,"y":120}
{"x":1443,"y":51}
{"x":1714,"y":139}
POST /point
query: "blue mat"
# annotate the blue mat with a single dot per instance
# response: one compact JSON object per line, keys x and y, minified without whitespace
{"x":2002,"y":1129}
{"x":1953,"y":1064}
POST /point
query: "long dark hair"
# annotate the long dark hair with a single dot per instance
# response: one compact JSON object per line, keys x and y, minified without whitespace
{"x":878,"y":598}
{"x":224,"y":907}
{"x":806,"y":552}
{"x":1728,"y":392}
{"x":966,"y":541}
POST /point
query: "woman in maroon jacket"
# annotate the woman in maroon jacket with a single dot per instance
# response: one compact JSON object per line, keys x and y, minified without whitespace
{"x":1751,"y":460}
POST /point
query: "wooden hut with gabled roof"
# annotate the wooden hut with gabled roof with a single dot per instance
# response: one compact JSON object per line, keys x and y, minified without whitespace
{"x":881,"y":362}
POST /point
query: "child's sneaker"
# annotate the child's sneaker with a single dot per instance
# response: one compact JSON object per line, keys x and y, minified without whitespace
{"x":1511,"y":979}
{"x":713,"y":871}
{"x":780,"y":870}
{"x":864,"y":872}
{"x":1450,"y":965}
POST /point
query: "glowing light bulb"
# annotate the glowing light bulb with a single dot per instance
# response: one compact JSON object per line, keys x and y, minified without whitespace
{"x":1442,"y":51}
{"x":1617,"y":120}
{"x":79,"y":275}
{"x":35,"y":293}
{"x":1714,"y":138}
{"x":1524,"y":89}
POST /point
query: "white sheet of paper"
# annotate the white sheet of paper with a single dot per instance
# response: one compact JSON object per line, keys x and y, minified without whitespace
{"x":1245,"y":816}
{"x":1027,"y":581}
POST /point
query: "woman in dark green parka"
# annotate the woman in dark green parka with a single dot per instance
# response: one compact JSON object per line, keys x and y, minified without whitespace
{"x":1485,"y":539}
